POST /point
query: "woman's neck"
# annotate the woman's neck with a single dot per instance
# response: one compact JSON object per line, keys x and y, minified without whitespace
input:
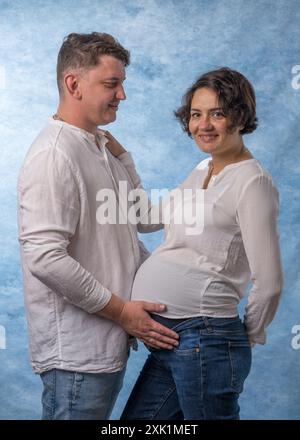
{"x":219,"y":162}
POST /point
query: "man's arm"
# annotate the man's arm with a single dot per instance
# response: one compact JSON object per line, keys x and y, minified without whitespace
{"x":49,"y":209}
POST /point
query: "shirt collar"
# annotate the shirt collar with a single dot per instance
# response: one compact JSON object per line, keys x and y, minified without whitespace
{"x":95,"y":139}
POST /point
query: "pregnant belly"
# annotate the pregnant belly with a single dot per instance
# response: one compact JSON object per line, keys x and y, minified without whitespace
{"x":162,"y":281}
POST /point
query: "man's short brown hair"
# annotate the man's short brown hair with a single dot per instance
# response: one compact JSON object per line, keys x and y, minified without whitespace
{"x":235,"y":94}
{"x":82,"y":51}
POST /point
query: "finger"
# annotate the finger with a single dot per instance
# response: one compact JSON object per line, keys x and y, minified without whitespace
{"x":110,"y":136}
{"x":163,"y":345}
{"x":153,"y":307}
{"x":161,"y":329}
{"x":154,"y":343}
{"x":163,"y":339}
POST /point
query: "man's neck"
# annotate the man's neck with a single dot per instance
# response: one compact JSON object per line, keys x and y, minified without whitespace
{"x":63,"y":114}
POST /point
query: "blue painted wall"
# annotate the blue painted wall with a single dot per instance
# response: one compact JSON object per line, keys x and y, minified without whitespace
{"x":171,"y":43}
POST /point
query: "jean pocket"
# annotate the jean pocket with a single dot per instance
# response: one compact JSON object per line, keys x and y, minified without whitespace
{"x":240,"y":360}
{"x":189,"y":343}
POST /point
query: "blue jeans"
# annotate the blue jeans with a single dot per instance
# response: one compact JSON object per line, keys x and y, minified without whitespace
{"x":70,"y":395}
{"x":201,"y":379}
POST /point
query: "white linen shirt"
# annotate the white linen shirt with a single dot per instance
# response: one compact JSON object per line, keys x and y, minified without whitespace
{"x":71,"y":264}
{"x":206,"y":273}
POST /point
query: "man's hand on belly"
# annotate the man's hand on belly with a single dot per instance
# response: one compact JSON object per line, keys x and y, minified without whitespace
{"x":135,"y":319}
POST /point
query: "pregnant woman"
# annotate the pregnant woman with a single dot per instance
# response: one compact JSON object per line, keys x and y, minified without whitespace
{"x":202,"y":276}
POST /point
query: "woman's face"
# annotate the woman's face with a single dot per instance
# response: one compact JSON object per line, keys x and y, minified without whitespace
{"x":209,"y":126}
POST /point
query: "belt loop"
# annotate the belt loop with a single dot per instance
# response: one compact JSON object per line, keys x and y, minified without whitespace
{"x":209,"y":328}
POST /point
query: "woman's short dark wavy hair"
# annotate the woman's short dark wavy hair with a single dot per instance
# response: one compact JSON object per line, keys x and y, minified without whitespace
{"x":235,"y":94}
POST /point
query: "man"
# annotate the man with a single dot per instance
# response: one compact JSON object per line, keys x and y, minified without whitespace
{"x":78,"y":273}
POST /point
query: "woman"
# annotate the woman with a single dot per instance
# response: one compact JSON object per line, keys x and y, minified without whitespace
{"x":202,"y":277}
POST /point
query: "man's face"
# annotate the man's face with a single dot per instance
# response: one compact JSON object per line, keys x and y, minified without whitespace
{"x":102,"y":90}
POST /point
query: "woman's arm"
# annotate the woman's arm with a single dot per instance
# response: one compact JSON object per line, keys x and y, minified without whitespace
{"x":151,"y":220}
{"x":257,"y":213}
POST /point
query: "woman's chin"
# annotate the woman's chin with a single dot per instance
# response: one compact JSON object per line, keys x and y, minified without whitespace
{"x":207,"y":148}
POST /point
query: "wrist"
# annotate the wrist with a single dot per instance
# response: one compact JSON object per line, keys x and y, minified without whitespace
{"x":113,"y":310}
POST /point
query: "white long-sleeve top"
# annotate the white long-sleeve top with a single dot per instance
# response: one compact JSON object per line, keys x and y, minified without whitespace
{"x":206,"y":272}
{"x":71,"y":263}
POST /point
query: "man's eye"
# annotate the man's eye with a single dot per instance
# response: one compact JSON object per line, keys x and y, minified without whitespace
{"x":110,"y":85}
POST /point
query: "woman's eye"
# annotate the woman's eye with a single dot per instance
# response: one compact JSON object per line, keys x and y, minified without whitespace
{"x":195,"y":115}
{"x":218,"y":114}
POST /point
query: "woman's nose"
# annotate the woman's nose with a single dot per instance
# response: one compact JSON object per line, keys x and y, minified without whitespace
{"x":204,"y":123}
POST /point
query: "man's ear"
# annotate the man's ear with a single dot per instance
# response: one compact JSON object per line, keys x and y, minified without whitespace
{"x":71,"y":82}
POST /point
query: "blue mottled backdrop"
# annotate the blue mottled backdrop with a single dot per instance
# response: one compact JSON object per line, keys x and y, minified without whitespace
{"x":171,"y":43}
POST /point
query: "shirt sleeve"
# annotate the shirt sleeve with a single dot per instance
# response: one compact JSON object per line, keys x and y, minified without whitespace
{"x":257,"y":213}
{"x":151,"y":218}
{"x":49,"y":211}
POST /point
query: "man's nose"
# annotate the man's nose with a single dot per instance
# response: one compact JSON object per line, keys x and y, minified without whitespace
{"x":121,"y":92}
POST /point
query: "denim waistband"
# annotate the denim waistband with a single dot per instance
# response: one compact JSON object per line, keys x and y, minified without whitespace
{"x":204,"y":321}
{"x":168,"y":322}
